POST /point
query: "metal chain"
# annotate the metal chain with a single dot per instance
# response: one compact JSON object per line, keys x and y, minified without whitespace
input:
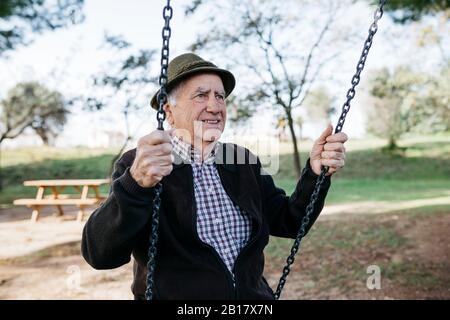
{"x":162,"y":95}
{"x":345,"y":109}
{"x":360,"y":66}
{"x":160,"y":117}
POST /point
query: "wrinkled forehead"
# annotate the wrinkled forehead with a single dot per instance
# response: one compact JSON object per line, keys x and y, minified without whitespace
{"x":204,"y":82}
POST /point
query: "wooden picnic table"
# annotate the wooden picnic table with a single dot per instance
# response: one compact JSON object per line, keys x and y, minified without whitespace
{"x":58,"y":199}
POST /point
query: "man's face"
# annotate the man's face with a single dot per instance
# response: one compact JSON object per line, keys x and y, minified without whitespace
{"x":200,"y":109}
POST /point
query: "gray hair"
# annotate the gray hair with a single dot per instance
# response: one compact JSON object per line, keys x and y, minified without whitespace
{"x":173,"y":94}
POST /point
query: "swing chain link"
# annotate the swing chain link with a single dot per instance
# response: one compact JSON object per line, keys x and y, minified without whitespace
{"x":345,"y":109}
{"x":153,"y":240}
{"x":162,"y":95}
{"x":360,"y":66}
{"x":160,"y":116}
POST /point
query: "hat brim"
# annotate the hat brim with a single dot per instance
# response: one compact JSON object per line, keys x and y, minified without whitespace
{"x":227,"y":77}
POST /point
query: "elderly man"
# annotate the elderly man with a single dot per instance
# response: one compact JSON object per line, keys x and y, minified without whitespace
{"x":217,"y":208}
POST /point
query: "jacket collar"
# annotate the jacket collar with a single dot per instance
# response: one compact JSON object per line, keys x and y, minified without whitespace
{"x":225,"y":157}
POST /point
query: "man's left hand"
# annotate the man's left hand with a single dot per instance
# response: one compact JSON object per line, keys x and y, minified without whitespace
{"x":328,"y":150}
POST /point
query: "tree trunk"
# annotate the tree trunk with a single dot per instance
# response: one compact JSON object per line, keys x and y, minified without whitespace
{"x":297,"y":163}
{"x":1,"y":175}
{"x":300,"y":135}
{"x":392,"y":144}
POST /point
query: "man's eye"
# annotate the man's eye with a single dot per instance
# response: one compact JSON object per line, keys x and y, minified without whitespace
{"x":201,"y":95}
{"x":219,"y":96}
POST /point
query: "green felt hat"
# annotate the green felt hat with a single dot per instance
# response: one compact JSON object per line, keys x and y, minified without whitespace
{"x":189,"y":64}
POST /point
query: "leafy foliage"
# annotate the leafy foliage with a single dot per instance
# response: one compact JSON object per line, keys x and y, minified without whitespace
{"x":31,"y":105}
{"x":406,"y":101}
{"x":404,"y":11}
{"x":19,"y":18}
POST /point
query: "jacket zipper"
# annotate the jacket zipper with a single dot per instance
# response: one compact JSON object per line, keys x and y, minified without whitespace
{"x":248,"y":244}
{"x":230,"y":275}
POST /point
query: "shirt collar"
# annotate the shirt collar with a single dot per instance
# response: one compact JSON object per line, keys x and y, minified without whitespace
{"x":190,"y":154}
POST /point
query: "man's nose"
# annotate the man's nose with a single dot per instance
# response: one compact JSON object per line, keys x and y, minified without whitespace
{"x":212,"y":105}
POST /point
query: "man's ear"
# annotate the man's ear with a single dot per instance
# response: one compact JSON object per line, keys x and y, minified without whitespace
{"x":169,"y":116}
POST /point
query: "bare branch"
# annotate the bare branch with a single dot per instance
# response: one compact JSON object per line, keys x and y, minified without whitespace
{"x":311,"y":53}
{"x":312,"y":80}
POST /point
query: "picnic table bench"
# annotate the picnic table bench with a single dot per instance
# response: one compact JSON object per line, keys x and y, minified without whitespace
{"x":59,"y":199}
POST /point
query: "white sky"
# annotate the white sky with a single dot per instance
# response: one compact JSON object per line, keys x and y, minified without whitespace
{"x":73,"y":55}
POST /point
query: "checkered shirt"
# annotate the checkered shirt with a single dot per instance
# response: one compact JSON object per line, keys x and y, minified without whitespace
{"x":220,"y":223}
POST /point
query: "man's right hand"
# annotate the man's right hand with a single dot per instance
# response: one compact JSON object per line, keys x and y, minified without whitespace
{"x":153,"y":159}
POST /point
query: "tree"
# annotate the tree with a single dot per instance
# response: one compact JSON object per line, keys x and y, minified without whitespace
{"x":19,"y":18}
{"x":319,"y":105}
{"x":31,"y":105}
{"x":300,"y":122}
{"x":405,"y":101}
{"x":50,"y":127}
{"x":431,"y":33}
{"x":123,"y":82}
{"x":436,"y":101}
{"x":405,"y":11}
{"x":277,"y":73}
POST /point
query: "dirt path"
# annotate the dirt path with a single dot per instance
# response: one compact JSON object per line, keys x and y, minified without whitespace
{"x":42,"y":260}
{"x":371,"y":207}
{"x":19,"y":236}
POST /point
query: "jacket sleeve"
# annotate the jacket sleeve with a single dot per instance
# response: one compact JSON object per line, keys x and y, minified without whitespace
{"x":285,"y":213}
{"x":112,"y":230}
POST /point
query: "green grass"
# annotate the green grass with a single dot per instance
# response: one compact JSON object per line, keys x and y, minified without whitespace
{"x":337,"y":254}
{"x":80,"y":168}
{"x":52,"y":164}
{"x":422,"y":171}
{"x":13,"y":157}
{"x":412,"y":274}
{"x":348,"y":190}
{"x":418,"y":163}
{"x":346,"y":237}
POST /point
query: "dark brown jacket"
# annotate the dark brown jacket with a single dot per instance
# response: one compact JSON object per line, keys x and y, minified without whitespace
{"x":187,"y":268}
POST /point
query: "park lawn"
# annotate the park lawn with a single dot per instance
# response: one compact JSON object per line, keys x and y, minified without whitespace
{"x":409,"y":247}
{"x":422,"y":171}
{"x":50,"y":163}
{"x":349,"y":190}
{"x":30,"y":155}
